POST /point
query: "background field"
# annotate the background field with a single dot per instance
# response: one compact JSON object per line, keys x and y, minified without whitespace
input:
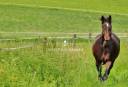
{"x":38,"y":62}
{"x":52,"y":16}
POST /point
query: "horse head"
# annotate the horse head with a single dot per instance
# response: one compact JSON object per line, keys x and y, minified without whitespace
{"x":106,"y":27}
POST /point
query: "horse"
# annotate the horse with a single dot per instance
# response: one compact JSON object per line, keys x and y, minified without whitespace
{"x":105,"y":48}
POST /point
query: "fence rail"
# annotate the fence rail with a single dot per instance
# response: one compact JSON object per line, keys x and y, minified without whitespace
{"x":37,"y":35}
{"x":51,"y":35}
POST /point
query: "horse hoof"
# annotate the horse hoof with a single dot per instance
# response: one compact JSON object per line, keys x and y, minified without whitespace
{"x":104,"y":78}
{"x":100,"y":78}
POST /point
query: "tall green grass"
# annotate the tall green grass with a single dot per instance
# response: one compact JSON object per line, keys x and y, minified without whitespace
{"x":34,"y":67}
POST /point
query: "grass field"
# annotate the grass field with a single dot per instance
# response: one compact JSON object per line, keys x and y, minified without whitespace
{"x":35,"y":63}
{"x":36,"y":67}
{"x":118,"y":6}
{"x":39,"y":16}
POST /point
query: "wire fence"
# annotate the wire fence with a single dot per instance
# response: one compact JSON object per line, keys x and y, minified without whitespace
{"x":46,"y":36}
{"x":7,"y":36}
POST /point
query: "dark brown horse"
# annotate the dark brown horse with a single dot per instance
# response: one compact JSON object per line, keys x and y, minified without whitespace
{"x":106,"y":48}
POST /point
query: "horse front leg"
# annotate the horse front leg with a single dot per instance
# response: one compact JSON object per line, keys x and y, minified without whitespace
{"x":99,"y":69}
{"x":109,"y":65}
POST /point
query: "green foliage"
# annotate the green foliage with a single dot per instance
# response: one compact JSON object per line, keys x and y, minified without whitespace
{"x":32,"y":67}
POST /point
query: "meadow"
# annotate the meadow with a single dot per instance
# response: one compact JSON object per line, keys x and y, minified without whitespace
{"x":36,"y":62}
{"x":61,"y":66}
{"x":29,"y":16}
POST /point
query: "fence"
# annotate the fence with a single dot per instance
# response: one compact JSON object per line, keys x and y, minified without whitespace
{"x":45,"y":36}
{"x":6,"y":36}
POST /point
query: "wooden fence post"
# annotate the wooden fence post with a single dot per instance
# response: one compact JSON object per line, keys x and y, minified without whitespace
{"x":90,"y":36}
{"x":74,"y":40}
{"x":53,"y":43}
{"x":45,"y":42}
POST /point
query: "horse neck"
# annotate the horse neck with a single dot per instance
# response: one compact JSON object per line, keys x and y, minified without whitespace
{"x":105,"y":42}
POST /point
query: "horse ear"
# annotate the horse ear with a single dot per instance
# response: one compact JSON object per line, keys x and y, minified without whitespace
{"x":110,"y":18}
{"x":102,"y":18}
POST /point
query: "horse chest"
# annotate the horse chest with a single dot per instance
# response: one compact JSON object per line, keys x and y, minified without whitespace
{"x":107,"y":52}
{"x":105,"y":55}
